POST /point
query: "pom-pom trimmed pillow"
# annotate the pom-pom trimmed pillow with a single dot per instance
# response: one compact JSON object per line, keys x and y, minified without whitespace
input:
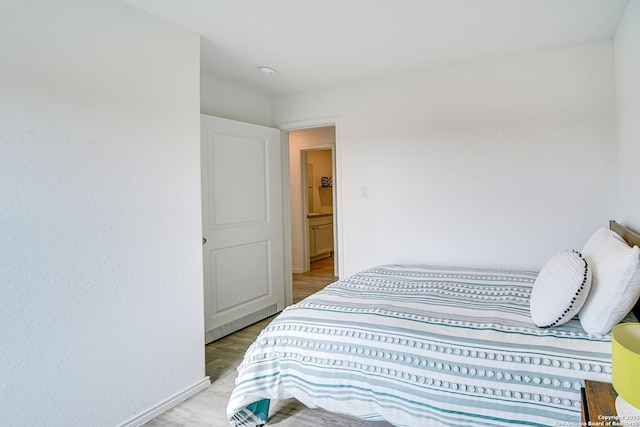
{"x":560,"y":289}
{"x":616,"y":281}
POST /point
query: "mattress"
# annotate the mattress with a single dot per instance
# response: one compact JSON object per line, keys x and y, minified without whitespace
{"x":422,"y":345}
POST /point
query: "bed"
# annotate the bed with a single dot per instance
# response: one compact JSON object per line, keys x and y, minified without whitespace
{"x":424,"y":345}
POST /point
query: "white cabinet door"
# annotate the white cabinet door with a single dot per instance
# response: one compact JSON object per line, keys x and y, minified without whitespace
{"x":320,"y":237}
{"x":324,"y":239}
{"x":242,"y":224}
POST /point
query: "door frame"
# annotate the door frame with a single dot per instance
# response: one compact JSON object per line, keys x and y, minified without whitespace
{"x":287,"y":127}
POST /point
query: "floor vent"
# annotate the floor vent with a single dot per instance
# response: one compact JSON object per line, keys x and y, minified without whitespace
{"x":243,"y":322}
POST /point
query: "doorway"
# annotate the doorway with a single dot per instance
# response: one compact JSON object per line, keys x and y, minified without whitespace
{"x":316,"y":170}
{"x":313,"y":202}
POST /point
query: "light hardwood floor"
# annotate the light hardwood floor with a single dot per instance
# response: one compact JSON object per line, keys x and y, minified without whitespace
{"x":208,"y":408}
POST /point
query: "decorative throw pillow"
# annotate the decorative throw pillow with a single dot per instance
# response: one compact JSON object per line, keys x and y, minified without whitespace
{"x":560,"y":289}
{"x":616,"y":281}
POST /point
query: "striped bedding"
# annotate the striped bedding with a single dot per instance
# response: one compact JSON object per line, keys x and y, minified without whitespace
{"x":422,"y":345}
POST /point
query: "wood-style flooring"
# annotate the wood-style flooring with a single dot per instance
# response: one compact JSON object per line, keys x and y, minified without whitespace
{"x":320,"y":275}
{"x":208,"y":408}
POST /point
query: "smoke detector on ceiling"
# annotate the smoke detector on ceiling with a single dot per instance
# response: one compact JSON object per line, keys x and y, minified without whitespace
{"x":266,"y":69}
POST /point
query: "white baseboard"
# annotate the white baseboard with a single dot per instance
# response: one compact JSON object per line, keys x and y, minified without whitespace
{"x":166,"y":404}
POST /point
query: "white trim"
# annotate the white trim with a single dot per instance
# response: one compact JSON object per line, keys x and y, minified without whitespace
{"x":337,"y":214}
{"x":304,"y":211}
{"x":286,"y":219}
{"x":166,"y":404}
{"x":308,"y":124}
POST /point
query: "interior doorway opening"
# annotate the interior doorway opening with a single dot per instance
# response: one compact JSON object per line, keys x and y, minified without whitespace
{"x":316,"y":170}
{"x":313,"y":201}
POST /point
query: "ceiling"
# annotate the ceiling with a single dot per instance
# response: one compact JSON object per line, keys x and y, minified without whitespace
{"x":320,"y":43}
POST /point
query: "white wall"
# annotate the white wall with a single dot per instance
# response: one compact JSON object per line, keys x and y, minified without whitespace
{"x":299,"y":140}
{"x":100,"y":220}
{"x":224,"y":99}
{"x":627,"y":72}
{"x":502,"y":162}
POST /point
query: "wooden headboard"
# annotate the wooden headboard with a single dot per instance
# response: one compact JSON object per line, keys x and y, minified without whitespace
{"x":633,"y":239}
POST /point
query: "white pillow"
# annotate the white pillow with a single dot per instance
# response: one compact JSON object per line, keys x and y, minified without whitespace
{"x":560,"y":289}
{"x":616,"y":281}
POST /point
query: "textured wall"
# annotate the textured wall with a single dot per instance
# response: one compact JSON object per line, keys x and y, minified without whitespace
{"x":100,"y":255}
{"x":627,"y":66}
{"x":223,"y":99}
{"x":499,"y":162}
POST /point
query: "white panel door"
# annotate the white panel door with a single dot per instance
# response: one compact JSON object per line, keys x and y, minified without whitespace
{"x":242,"y":224}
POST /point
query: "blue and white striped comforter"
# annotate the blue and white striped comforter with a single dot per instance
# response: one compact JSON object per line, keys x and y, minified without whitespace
{"x":422,"y":345}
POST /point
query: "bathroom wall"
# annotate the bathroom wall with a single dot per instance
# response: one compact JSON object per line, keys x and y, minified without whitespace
{"x":322,"y":166}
